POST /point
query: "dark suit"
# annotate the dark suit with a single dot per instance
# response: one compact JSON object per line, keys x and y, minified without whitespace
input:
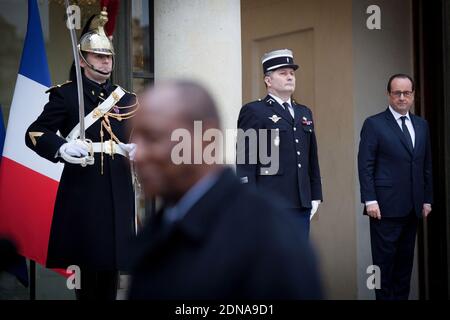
{"x":298,"y":177}
{"x":93,"y":218}
{"x":231,"y":243}
{"x":400,"y":180}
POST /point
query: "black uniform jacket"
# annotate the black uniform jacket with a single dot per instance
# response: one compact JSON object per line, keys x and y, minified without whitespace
{"x":93,"y":219}
{"x":297,"y":179}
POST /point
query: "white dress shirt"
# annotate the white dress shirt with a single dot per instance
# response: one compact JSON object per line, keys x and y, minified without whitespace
{"x":408,"y":123}
{"x":280,"y":102}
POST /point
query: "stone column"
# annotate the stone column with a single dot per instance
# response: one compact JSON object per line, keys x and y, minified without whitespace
{"x":201,"y":40}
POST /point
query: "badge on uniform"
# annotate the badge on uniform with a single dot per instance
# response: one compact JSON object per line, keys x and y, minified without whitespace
{"x":307,"y":122}
{"x":275,"y":118}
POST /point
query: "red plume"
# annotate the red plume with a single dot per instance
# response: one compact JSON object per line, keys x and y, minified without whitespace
{"x":112,"y":7}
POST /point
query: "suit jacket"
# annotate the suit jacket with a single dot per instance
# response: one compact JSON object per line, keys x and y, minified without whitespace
{"x":232,"y":243}
{"x":398,"y":178}
{"x":93,"y":216}
{"x":298,"y":177}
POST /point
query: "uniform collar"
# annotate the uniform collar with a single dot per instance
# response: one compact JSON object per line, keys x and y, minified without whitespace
{"x":279,"y":100}
{"x":278,"y":109}
{"x":95,"y":90}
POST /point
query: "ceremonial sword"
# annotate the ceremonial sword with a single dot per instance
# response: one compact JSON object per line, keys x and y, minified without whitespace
{"x":73,"y":38}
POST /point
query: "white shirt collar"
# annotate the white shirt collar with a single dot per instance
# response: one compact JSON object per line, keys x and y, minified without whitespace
{"x":398,"y":115}
{"x":280,"y":102}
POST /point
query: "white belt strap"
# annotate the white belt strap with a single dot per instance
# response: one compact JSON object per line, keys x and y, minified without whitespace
{"x":97,"y":113}
{"x":109,"y":147}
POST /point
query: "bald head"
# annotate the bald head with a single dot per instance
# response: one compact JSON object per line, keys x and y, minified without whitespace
{"x":185,"y":99}
{"x":166,"y":108}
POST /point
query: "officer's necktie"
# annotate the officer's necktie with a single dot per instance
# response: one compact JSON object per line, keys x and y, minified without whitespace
{"x":406,"y":133}
{"x":288,"y":107}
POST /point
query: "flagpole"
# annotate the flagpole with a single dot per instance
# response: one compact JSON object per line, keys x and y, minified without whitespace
{"x":32,"y":280}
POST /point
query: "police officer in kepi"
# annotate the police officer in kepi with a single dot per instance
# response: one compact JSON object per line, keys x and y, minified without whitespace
{"x":293,"y":174}
{"x":93,"y":219}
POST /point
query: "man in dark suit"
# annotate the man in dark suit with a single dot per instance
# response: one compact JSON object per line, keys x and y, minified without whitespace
{"x":213,"y":238}
{"x":293,"y":173}
{"x":394,"y":163}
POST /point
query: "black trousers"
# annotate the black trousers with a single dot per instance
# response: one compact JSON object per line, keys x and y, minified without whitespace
{"x":393,"y":241}
{"x":98,"y":285}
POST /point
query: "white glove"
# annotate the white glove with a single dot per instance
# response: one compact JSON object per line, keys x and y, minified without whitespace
{"x":315,"y":206}
{"x":130,"y":148}
{"x":74,"y":151}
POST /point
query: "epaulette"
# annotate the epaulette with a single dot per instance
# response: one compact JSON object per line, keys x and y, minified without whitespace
{"x":253,"y":102}
{"x":58,"y":86}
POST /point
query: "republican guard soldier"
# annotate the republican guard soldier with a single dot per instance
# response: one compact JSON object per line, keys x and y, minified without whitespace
{"x":93,"y":219}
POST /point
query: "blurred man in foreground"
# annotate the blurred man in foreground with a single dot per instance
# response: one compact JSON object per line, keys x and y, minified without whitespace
{"x":213,"y":238}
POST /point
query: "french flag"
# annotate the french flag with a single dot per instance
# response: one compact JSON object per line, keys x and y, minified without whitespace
{"x":28,"y":183}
